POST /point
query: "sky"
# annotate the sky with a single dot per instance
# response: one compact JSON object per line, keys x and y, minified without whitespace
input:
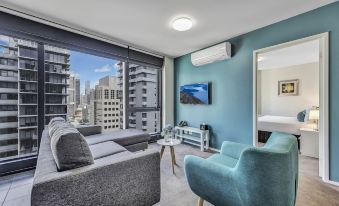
{"x":90,"y":67}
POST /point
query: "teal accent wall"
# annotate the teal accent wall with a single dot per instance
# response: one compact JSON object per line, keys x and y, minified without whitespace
{"x":230,"y":114}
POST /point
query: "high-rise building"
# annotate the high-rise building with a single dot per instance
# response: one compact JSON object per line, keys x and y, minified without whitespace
{"x":77,"y":93}
{"x":142,"y":93}
{"x":18,"y":97}
{"x":87,"y":91}
{"x":91,"y":113}
{"x":19,"y":93}
{"x":57,"y":81}
{"x":71,"y":105}
{"x":106,"y":105}
{"x":27,"y":97}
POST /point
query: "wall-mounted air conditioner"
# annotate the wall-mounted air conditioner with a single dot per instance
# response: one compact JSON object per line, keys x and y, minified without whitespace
{"x":212,"y":54}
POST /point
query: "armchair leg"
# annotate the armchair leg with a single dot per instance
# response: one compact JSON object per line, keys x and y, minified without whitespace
{"x":200,"y":202}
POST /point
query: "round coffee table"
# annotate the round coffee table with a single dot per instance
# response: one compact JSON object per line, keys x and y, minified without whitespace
{"x":171,"y":143}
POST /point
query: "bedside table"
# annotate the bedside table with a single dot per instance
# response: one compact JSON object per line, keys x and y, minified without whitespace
{"x":309,"y":142}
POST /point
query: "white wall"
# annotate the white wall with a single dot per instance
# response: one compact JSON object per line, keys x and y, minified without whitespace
{"x":272,"y":104}
{"x":168,"y":91}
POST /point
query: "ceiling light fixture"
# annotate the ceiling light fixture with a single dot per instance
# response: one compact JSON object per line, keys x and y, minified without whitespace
{"x":182,"y":24}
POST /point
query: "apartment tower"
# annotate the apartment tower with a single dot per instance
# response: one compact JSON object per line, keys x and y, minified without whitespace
{"x":106,"y":107}
{"x":143,"y":85}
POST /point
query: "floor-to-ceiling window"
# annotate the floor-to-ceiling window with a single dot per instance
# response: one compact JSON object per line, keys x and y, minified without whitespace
{"x":40,"y":81}
{"x":47,"y":72}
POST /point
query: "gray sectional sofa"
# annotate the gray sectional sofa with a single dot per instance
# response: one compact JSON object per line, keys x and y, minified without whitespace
{"x":116,"y":176}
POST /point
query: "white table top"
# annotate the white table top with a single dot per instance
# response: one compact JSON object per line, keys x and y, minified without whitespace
{"x":171,"y":142}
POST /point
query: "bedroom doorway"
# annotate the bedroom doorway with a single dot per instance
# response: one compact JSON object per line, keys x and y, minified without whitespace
{"x":290,"y":87}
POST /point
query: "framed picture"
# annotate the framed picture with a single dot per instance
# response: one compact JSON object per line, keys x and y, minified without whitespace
{"x":288,"y":87}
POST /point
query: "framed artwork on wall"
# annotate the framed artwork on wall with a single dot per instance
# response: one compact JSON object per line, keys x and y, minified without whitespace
{"x":288,"y":87}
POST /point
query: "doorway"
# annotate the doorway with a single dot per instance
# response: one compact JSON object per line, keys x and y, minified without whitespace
{"x":290,"y":94}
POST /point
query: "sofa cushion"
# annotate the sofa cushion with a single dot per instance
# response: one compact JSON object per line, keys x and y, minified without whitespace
{"x":122,"y":137}
{"x":89,"y":130}
{"x":104,"y":149}
{"x":69,"y":148}
{"x":223,"y":160}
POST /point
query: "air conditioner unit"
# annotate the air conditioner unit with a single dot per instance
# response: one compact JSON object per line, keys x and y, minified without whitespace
{"x":212,"y":54}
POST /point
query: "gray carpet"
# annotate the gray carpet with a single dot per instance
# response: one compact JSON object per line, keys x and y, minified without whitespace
{"x":174,"y":188}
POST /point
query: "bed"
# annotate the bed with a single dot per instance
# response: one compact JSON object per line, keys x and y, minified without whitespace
{"x":280,"y":123}
{"x":268,"y":124}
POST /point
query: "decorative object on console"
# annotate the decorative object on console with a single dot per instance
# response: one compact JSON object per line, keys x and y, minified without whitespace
{"x":195,"y":94}
{"x":314,"y":115}
{"x":203,"y":126}
{"x":288,"y":87}
{"x":183,"y":124}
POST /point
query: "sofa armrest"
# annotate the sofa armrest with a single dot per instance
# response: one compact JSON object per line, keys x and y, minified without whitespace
{"x":133,"y":179}
{"x":89,"y":130}
{"x":233,"y":149}
{"x":211,"y":181}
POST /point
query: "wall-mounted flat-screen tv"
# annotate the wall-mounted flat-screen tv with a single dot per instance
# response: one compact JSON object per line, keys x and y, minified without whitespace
{"x":194,"y":94}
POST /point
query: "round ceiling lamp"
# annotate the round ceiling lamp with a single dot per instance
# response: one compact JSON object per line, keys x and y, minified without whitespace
{"x":182,"y":24}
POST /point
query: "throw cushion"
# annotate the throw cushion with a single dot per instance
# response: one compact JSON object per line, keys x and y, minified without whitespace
{"x":69,"y":148}
{"x":52,"y":123}
{"x":301,"y":116}
{"x":56,"y":126}
{"x":56,"y":119}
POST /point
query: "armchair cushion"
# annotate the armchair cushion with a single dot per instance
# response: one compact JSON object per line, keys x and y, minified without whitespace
{"x":233,"y":149}
{"x":223,"y":160}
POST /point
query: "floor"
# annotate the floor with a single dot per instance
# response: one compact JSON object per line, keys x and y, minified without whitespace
{"x":15,"y":189}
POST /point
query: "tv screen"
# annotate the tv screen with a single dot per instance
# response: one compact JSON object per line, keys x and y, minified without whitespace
{"x":194,"y":94}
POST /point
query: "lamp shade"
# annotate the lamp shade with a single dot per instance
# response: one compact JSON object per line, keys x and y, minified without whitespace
{"x":314,"y":114}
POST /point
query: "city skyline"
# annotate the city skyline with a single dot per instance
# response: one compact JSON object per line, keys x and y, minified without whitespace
{"x":90,"y":67}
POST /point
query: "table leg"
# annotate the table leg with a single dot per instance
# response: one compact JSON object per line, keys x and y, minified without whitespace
{"x":175,"y":161}
{"x":173,"y":158}
{"x":162,"y":151}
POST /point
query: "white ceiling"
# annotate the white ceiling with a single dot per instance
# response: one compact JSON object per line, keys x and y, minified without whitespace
{"x":303,"y":53}
{"x":146,"y":24}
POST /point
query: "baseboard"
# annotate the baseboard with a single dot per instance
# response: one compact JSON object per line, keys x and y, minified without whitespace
{"x":332,"y":183}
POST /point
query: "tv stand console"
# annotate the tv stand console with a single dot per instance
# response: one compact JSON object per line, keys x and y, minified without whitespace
{"x":193,"y":136}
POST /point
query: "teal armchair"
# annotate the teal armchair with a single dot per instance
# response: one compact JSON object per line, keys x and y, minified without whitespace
{"x":247,"y":176}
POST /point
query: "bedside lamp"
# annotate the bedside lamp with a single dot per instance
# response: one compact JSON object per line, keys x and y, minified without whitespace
{"x":314,"y":115}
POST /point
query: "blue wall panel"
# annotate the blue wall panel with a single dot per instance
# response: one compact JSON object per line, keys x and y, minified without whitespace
{"x":230,"y":114}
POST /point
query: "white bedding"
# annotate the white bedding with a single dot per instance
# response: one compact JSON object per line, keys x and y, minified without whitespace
{"x":281,"y":124}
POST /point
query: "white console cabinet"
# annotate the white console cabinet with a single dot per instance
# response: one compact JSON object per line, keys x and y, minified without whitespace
{"x":193,"y":136}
